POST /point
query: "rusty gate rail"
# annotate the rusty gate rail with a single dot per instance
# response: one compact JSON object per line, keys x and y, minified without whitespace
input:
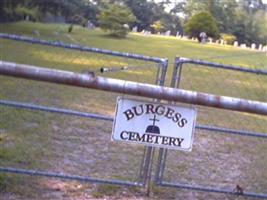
{"x":131,"y":88}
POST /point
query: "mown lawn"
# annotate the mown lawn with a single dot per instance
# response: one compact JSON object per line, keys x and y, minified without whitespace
{"x":28,"y":140}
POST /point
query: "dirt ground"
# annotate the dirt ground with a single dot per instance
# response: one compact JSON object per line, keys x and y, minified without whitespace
{"x":217,"y":160}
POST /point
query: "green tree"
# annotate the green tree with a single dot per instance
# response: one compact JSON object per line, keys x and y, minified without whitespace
{"x":157,"y":26}
{"x":23,"y":12}
{"x":11,"y":10}
{"x":7,"y":10}
{"x":245,"y":19}
{"x":202,"y":22}
{"x":116,"y":19}
{"x":222,"y":11}
{"x":171,"y":22}
{"x":146,"y":12}
{"x":250,"y":27}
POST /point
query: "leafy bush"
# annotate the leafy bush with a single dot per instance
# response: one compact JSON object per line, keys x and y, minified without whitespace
{"x":70,"y":28}
{"x":202,"y":22}
{"x":228,"y":38}
{"x":115,"y":20}
{"x":157,"y":26}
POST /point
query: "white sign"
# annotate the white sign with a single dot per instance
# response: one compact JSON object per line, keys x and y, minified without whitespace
{"x":154,"y":124}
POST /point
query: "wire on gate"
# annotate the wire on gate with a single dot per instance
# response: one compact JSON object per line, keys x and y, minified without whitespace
{"x":105,"y":70}
{"x":115,"y":69}
{"x":112,"y":69}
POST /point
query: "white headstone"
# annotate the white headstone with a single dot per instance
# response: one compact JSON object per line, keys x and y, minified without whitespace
{"x":27,"y":18}
{"x":134,"y":29}
{"x":126,"y":26}
{"x":147,"y":33}
{"x":235,"y":44}
{"x":168,"y":33}
{"x":90,"y":25}
{"x":253,"y":46}
{"x":209,"y":39}
{"x":243,"y":46}
{"x":260,"y":47}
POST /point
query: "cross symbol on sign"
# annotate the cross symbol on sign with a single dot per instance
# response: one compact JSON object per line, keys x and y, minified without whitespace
{"x":154,"y":120}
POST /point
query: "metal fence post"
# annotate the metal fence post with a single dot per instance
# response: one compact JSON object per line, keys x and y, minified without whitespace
{"x":176,"y":76}
{"x":147,"y":165}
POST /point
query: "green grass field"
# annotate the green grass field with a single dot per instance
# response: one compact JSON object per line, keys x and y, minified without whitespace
{"x":45,"y":141}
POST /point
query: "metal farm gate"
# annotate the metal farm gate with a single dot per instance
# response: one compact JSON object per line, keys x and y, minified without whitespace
{"x":227,"y":162}
{"x":132,"y":170}
{"x":218,"y":133}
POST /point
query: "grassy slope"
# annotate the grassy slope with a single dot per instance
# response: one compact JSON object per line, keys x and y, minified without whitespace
{"x":152,"y":45}
{"x":87,"y":100}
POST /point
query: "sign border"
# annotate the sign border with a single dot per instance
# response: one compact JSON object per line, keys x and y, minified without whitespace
{"x":154,"y":145}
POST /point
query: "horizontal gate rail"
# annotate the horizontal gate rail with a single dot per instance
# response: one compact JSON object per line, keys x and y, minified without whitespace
{"x":30,"y":106}
{"x":131,"y":88}
{"x":68,"y":177}
{"x":231,"y":131}
{"x":81,"y":48}
{"x":54,"y":110}
{"x":218,"y":65}
{"x":216,"y":190}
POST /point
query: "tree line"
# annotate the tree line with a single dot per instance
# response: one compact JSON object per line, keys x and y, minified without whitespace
{"x":243,"y":20}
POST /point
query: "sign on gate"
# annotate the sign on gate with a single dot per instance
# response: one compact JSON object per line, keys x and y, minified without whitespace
{"x":154,"y":124}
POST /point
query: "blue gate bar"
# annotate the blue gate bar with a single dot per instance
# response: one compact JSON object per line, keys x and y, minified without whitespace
{"x":219,"y":65}
{"x":54,"y":110}
{"x":231,"y":131}
{"x":30,"y":106}
{"x":81,"y":48}
{"x":68,"y":177}
{"x":216,"y":190}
